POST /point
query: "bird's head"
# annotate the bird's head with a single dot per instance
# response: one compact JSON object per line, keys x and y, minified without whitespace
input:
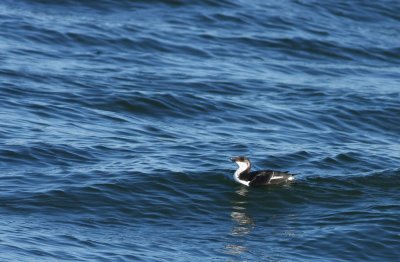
{"x":241,"y":161}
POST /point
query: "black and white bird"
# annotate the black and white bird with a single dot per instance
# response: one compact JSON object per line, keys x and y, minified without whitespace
{"x":258,"y":178}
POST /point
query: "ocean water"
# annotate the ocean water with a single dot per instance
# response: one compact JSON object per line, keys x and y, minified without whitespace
{"x":118,"y":119}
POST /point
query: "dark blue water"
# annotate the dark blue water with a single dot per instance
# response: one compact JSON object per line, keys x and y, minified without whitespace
{"x":118,"y":119}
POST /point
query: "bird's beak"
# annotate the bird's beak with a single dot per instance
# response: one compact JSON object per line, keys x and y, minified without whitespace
{"x":233,"y":159}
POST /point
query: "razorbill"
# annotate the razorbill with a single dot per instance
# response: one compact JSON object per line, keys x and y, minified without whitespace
{"x":258,"y":178}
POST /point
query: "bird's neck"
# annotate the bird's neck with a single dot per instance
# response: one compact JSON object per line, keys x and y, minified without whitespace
{"x":243,"y":168}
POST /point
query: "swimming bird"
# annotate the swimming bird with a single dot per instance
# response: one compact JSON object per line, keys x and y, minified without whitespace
{"x":258,"y":178}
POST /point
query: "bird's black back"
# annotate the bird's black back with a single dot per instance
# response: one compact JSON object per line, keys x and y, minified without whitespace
{"x":260,"y":178}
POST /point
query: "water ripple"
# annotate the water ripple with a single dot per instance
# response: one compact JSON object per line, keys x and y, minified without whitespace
{"x":118,"y":120}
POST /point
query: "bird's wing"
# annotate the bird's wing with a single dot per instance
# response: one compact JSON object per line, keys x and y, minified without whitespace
{"x":260,"y":178}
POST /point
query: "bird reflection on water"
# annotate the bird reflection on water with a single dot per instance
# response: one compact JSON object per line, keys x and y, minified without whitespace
{"x":250,"y":220}
{"x":242,"y":223}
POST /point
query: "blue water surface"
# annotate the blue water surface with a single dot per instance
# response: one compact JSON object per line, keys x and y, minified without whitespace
{"x":118,"y":119}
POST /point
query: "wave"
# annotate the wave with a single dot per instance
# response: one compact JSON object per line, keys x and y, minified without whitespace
{"x":45,"y":154}
{"x":166,"y":194}
{"x":129,"y":3}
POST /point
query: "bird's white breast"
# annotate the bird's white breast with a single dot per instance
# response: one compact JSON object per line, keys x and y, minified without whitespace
{"x":242,"y":167}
